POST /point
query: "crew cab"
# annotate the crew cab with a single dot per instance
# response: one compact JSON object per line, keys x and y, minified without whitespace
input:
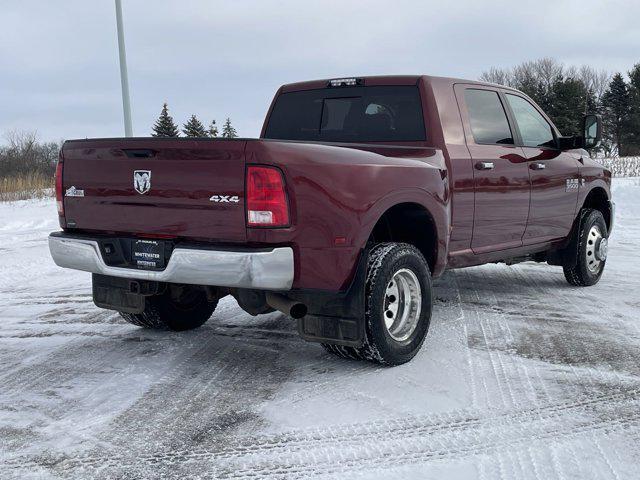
{"x":358,"y":192}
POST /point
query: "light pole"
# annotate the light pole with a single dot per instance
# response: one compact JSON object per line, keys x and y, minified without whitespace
{"x":124,"y":78}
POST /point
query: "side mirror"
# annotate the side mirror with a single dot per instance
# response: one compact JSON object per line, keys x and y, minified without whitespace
{"x":592,"y":131}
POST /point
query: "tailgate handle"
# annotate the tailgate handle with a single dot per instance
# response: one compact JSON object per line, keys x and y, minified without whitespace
{"x":140,"y":153}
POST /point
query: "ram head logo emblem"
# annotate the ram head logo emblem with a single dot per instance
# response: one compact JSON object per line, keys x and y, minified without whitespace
{"x":142,"y":181}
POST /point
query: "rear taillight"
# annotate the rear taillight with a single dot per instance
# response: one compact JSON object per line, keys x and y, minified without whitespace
{"x":59,"y":192}
{"x":267,"y":204}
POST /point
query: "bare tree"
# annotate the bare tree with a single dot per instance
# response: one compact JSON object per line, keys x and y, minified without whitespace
{"x":547,"y":71}
{"x":597,"y":81}
{"x":499,"y":76}
{"x":23,"y":153}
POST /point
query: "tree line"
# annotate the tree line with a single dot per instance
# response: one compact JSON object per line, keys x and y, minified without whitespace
{"x":567,"y":93}
{"x":24,"y":154}
{"x":194,"y":128}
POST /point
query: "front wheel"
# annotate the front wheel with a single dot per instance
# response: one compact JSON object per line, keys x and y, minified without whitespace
{"x":591,"y":251}
{"x":398,"y":306}
{"x":180,"y":307}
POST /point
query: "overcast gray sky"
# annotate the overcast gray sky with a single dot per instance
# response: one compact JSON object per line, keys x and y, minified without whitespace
{"x":59,"y":65}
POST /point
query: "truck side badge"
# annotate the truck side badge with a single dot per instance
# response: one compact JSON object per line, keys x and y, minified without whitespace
{"x":142,"y":181}
{"x":74,"y":192}
{"x":572,"y":184}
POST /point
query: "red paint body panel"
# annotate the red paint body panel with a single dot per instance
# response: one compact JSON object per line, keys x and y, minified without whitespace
{"x":184,"y":176}
{"x":337,"y":192}
{"x":342,"y":192}
{"x":553,"y":206}
{"x":501,"y":198}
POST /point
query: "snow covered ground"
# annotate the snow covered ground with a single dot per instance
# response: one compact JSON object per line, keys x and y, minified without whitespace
{"x":522,"y":376}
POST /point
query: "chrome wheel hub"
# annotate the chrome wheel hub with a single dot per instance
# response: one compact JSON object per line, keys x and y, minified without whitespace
{"x":402,"y":304}
{"x":602,"y":249}
{"x":597,"y":248}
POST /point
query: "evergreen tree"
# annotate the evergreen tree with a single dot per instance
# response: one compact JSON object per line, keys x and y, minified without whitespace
{"x":194,"y":128}
{"x":165,"y":126}
{"x":227,"y":130}
{"x":617,"y":108}
{"x":537,"y":91}
{"x":213,"y":129}
{"x":569,"y":102}
{"x":633,"y":126}
{"x":591,"y":105}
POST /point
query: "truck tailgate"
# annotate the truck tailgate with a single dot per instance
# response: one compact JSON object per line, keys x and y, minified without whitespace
{"x":176,"y":187}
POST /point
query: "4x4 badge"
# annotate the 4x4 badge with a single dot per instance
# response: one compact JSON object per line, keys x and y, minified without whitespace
{"x":224,"y":199}
{"x":142,"y":181}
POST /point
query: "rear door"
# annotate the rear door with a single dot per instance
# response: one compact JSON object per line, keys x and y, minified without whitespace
{"x":501,"y":175}
{"x":169,"y":187}
{"x":554,"y":174}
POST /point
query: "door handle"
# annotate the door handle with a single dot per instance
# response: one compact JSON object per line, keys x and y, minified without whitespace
{"x":484,"y":165}
{"x":537,"y":166}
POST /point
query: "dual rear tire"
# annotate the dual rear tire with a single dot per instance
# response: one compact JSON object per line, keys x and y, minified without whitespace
{"x":398,"y":302}
{"x":178,"y":308}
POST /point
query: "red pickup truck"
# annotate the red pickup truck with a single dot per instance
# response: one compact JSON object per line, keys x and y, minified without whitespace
{"x":358,"y":192}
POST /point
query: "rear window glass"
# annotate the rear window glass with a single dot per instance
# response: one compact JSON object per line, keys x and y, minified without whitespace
{"x":487,"y":117}
{"x":349,"y":114}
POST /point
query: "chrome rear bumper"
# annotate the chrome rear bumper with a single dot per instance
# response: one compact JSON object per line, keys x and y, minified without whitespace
{"x":259,"y":269}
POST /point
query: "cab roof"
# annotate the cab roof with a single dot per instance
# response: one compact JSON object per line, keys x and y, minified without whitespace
{"x":384,"y":80}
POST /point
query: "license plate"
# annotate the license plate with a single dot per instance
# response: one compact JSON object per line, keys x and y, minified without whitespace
{"x":147,"y":254}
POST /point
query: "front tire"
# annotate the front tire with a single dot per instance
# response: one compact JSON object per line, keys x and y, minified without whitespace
{"x":398,"y":301}
{"x":590,"y":251}
{"x":179,"y":308}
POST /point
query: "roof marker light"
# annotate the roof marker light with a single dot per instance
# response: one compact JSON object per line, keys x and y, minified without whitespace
{"x":345,"y":82}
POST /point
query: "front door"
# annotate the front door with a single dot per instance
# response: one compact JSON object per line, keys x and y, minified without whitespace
{"x":554,"y":174}
{"x":501,"y":174}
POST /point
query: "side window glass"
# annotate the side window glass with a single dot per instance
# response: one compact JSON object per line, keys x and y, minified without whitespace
{"x":535,"y":130}
{"x":487,"y":117}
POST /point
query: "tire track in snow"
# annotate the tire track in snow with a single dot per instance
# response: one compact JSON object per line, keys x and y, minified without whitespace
{"x":512,"y":365}
{"x":472,"y":302}
{"x":424,"y":439}
{"x":223,"y":379}
{"x":61,"y":365}
{"x":471,"y":364}
{"x":383,"y":453}
{"x":521,"y":368}
{"x":541,"y":383}
{"x":594,"y":374}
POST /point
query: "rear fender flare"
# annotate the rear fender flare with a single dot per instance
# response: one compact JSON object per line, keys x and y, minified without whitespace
{"x":435,"y":206}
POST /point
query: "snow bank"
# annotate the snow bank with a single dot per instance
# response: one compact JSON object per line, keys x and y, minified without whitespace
{"x":626,"y":193}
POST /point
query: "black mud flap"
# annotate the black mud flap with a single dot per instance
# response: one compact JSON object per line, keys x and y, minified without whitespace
{"x":568,"y":255}
{"x":122,"y":294}
{"x":336,"y":318}
{"x":333,"y":330}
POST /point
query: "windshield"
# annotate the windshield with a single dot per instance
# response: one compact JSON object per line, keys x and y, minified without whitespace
{"x":349,"y":114}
